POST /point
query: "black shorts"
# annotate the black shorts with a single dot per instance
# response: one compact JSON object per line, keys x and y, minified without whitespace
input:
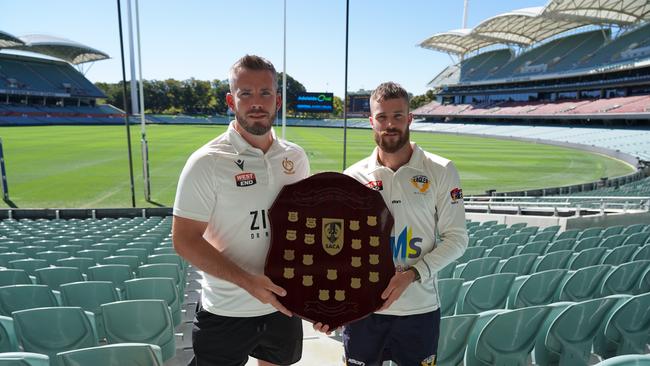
{"x":407,"y":340}
{"x":228,"y":341}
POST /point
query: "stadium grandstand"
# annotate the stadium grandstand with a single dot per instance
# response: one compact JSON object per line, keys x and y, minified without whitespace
{"x":48,"y":89}
{"x":568,"y":61}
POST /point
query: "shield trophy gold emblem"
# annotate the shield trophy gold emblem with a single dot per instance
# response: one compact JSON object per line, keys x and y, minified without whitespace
{"x":330,"y":248}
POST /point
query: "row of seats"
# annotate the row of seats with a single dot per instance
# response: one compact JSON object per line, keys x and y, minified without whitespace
{"x":106,"y":355}
{"x":560,"y":333}
{"x":71,"y":328}
{"x":501,"y":290}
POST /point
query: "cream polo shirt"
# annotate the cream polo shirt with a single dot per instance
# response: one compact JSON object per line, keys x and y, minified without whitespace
{"x":425,"y":198}
{"x":231,"y":185}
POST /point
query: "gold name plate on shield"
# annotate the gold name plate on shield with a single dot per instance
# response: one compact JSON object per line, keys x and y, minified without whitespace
{"x":330,"y":248}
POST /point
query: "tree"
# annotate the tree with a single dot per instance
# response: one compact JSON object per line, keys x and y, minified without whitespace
{"x":294,"y":87}
{"x":420,"y":100}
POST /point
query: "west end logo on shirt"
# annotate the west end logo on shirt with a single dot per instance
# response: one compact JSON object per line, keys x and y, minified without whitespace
{"x":245,"y":179}
{"x":405,"y":245}
{"x":456,"y":195}
{"x":288,"y":166}
{"x":377,"y":185}
{"x":240,"y":164}
{"x":421,"y":182}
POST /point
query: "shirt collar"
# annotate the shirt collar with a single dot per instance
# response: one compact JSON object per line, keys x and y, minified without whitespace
{"x":414,"y":162}
{"x":240,"y":144}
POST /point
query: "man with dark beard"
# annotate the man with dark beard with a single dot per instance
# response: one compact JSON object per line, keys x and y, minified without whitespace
{"x":221,"y":227}
{"x":422,"y":191}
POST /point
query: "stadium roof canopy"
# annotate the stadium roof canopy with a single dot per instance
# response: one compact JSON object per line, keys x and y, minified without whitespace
{"x":7,"y":40}
{"x":527,"y":26}
{"x":61,"y":48}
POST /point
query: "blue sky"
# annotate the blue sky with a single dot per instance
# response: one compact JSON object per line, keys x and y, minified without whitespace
{"x":201,"y":39}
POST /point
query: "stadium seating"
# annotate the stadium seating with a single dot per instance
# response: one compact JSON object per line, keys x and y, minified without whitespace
{"x":20,"y":297}
{"x":140,"y":321}
{"x":626,"y":330}
{"x":113,"y":354}
{"x":626,"y":360}
{"x":452,"y":342}
{"x":535,"y":289}
{"x":23,"y":359}
{"x":90,"y":295}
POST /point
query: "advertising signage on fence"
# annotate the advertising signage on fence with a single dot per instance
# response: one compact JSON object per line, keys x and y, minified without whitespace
{"x":315,"y":102}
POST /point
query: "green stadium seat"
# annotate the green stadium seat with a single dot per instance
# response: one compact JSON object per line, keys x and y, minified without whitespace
{"x":607,"y":348}
{"x":23,"y":359}
{"x":70,"y":328}
{"x":535,"y":289}
{"x":116,"y":273}
{"x":140,"y":321}
{"x":506,"y":231}
{"x":54,"y":277}
{"x":613,"y":241}
{"x":5,"y":258}
{"x":562,"y":244}
{"x":566,"y":336}
{"x":568,"y":234}
{"x":587,"y":243}
{"x":82,"y":263}
{"x":490,"y":223}
{"x":168,"y":250}
{"x":29,"y":265}
{"x":452,"y":341}
{"x":542,"y":236}
{"x":619,"y":255}
{"x":520,"y":264}
{"x":483,"y":233}
{"x":520,"y":225}
{"x":624,"y":278}
{"x":447,"y":271}
{"x":612,"y":230}
{"x":643,"y":253}
{"x":490,"y":241}
{"x":31,"y":250}
{"x":155,"y":288}
{"x":534,"y":247}
{"x":551,"y":229}
{"x":532,"y":230}
{"x":633,"y":229}
{"x":626,"y":360}
{"x":519,"y":239}
{"x":20,"y":297}
{"x":95,"y":254}
{"x":503,"y":251}
{"x":130,"y":260}
{"x":555,"y":260}
{"x":448,"y":289}
{"x":149,"y":246}
{"x":488,"y":346}
{"x":472,"y":253}
{"x":8,"y":340}
{"x":109,"y":247}
{"x":51,"y":256}
{"x":84,"y":243}
{"x":71,"y":249}
{"x":168,"y":270}
{"x":90,"y":296}
{"x":628,"y":327}
{"x":476,"y":268}
{"x":138,"y":252}
{"x":637,"y":238}
{"x":586,"y":258}
{"x":583,"y":284}
{"x":484,"y":293}
{"x":14,"y":277}
{"x":113,"y":354}
{"x":590,"y":233}
{"x":120,"y":241}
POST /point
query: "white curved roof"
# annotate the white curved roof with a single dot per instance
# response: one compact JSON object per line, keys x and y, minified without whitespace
{"x":61,"y":48}
{"x":531,"y":25}
{"x":8,"y":40}
{"x":622,"y":12}
{"x":523,"y":27}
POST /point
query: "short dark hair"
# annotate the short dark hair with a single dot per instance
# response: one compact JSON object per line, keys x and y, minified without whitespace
{"x":389,"y":90}
{"x":251,"y":62}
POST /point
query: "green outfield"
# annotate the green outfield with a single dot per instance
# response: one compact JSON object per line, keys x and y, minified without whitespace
{"x":87,"y":166}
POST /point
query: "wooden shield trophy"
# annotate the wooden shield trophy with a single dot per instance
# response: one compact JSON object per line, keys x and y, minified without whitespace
{"x":330,"y":248}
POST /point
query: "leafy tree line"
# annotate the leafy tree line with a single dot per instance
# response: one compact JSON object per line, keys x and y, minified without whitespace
{"x":208,"y":97}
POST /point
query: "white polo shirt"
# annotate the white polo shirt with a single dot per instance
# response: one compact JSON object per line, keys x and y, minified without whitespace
{"x":231,"y":185}
{"x":425,"y":198}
